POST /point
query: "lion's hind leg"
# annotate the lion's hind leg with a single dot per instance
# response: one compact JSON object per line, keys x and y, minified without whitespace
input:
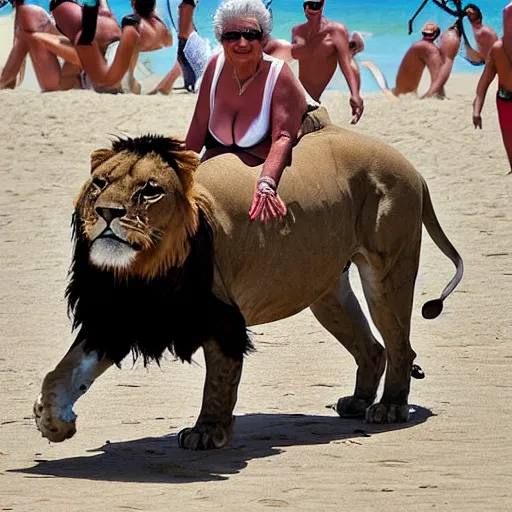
{"x":388,"y":285}
{"x":339,"y":312}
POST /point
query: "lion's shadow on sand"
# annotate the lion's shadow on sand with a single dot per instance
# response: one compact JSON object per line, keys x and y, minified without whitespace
{"x":160,"y":460}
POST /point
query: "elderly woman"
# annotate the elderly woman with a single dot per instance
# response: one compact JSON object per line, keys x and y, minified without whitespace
{"x":499,"y":61}
{"x":249,"y":103}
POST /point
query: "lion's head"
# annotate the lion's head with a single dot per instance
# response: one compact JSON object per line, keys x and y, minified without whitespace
{"x":143,"y":263}
{"x":138,"y":209}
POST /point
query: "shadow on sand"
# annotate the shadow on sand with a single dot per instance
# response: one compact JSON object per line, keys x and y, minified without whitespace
{"x":160,"y":460}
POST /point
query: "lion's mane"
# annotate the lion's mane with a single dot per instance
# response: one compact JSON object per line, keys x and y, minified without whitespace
{"x":175,"y":310}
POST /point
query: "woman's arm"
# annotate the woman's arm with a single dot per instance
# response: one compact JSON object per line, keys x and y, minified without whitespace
{"x":481,"y":90}
{"x":287,"y":110}
{"x":198,"y":128}
{"x":97,"y":69}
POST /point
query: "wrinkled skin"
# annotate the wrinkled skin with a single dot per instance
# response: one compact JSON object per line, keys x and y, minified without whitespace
{"x":362,"y":202}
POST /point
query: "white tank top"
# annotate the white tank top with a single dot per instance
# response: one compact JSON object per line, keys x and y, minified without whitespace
{"x":260,"y":127}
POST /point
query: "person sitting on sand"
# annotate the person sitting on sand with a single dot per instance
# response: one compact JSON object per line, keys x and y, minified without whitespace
{"x":154,"y":35}
{"x":36,"y":34}
{"x":449,"y":45}
{"x":103,"y":50}
{"x":249,"y":103}
{"x":320,"y":45}
{"x":422,"y":54}
{"x":499,"y":61}
{"x":31,"y":19}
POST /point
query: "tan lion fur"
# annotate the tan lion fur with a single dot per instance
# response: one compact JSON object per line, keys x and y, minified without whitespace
{"x":349,"y":198}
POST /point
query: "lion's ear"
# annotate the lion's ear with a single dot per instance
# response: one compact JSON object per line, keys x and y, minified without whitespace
{"x":99,"y":156}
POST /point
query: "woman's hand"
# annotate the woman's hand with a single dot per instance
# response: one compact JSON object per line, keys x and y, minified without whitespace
{"x":477,"y":121}
{"x":357,"y":105}
{"x":266,"y":204}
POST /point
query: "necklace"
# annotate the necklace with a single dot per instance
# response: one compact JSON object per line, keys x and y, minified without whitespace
{"x":242,"y":86}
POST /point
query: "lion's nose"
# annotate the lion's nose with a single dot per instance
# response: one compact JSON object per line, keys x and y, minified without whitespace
{"x":110,"y":213}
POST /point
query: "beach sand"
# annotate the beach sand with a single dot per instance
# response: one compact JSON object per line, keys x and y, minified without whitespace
{"x":289,"y":450}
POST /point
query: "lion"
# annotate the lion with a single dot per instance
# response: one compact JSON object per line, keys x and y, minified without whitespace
{"x":166,"y":258}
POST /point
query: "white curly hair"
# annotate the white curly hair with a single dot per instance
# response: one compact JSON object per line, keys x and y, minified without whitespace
{"x":231,"y":10}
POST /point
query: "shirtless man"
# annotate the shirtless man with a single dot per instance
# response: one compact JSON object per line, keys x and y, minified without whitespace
{"x":484,"y":35}
{"x":320,"y":45}
{"x":421,"y":54}
{"x":448,"y":48}
{"x":499,"y":63}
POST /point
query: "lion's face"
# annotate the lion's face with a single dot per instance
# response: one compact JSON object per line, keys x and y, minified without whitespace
{"x":137,"y":210}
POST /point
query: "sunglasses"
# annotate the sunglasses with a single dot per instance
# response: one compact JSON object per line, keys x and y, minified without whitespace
{"x":313,"y":6}
{"x":236,"y":35}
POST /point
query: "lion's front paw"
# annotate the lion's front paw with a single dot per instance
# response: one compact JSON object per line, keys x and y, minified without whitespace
{"x":53,"y":428}
{"x":204,"y":437}
{"x":352,"y":407}
{"x":386,"y":413}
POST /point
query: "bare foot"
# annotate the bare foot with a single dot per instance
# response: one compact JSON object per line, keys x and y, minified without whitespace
{"x":159,"y":90}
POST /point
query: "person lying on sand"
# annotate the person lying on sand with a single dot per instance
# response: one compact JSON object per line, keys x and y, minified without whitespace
{"x":422,"y":54}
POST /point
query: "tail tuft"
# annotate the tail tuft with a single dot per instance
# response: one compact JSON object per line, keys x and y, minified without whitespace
{"x":432,"y":309}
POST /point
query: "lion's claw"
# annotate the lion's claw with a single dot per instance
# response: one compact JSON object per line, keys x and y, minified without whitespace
{"x":203,"y":437}
{"x":351,"y":407}
{"x":386,"y":413}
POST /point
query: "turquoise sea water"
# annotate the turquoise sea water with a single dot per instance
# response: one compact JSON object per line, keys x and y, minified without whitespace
{"x":383,"y":23}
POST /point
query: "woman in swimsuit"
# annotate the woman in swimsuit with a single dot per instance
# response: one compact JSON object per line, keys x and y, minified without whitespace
{"x":249,"y":103}
{"x":499,"y":61}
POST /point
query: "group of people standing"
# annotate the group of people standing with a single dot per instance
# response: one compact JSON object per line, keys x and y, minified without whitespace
{"x":249,"y":102}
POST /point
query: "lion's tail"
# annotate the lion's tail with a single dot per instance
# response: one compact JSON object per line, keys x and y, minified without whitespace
{"x":433,"y":308}
{"x":380,"y":79}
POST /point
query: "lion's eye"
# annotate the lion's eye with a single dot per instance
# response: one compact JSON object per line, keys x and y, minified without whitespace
{"x":99,"y":182}
{"x":152,"y":190}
